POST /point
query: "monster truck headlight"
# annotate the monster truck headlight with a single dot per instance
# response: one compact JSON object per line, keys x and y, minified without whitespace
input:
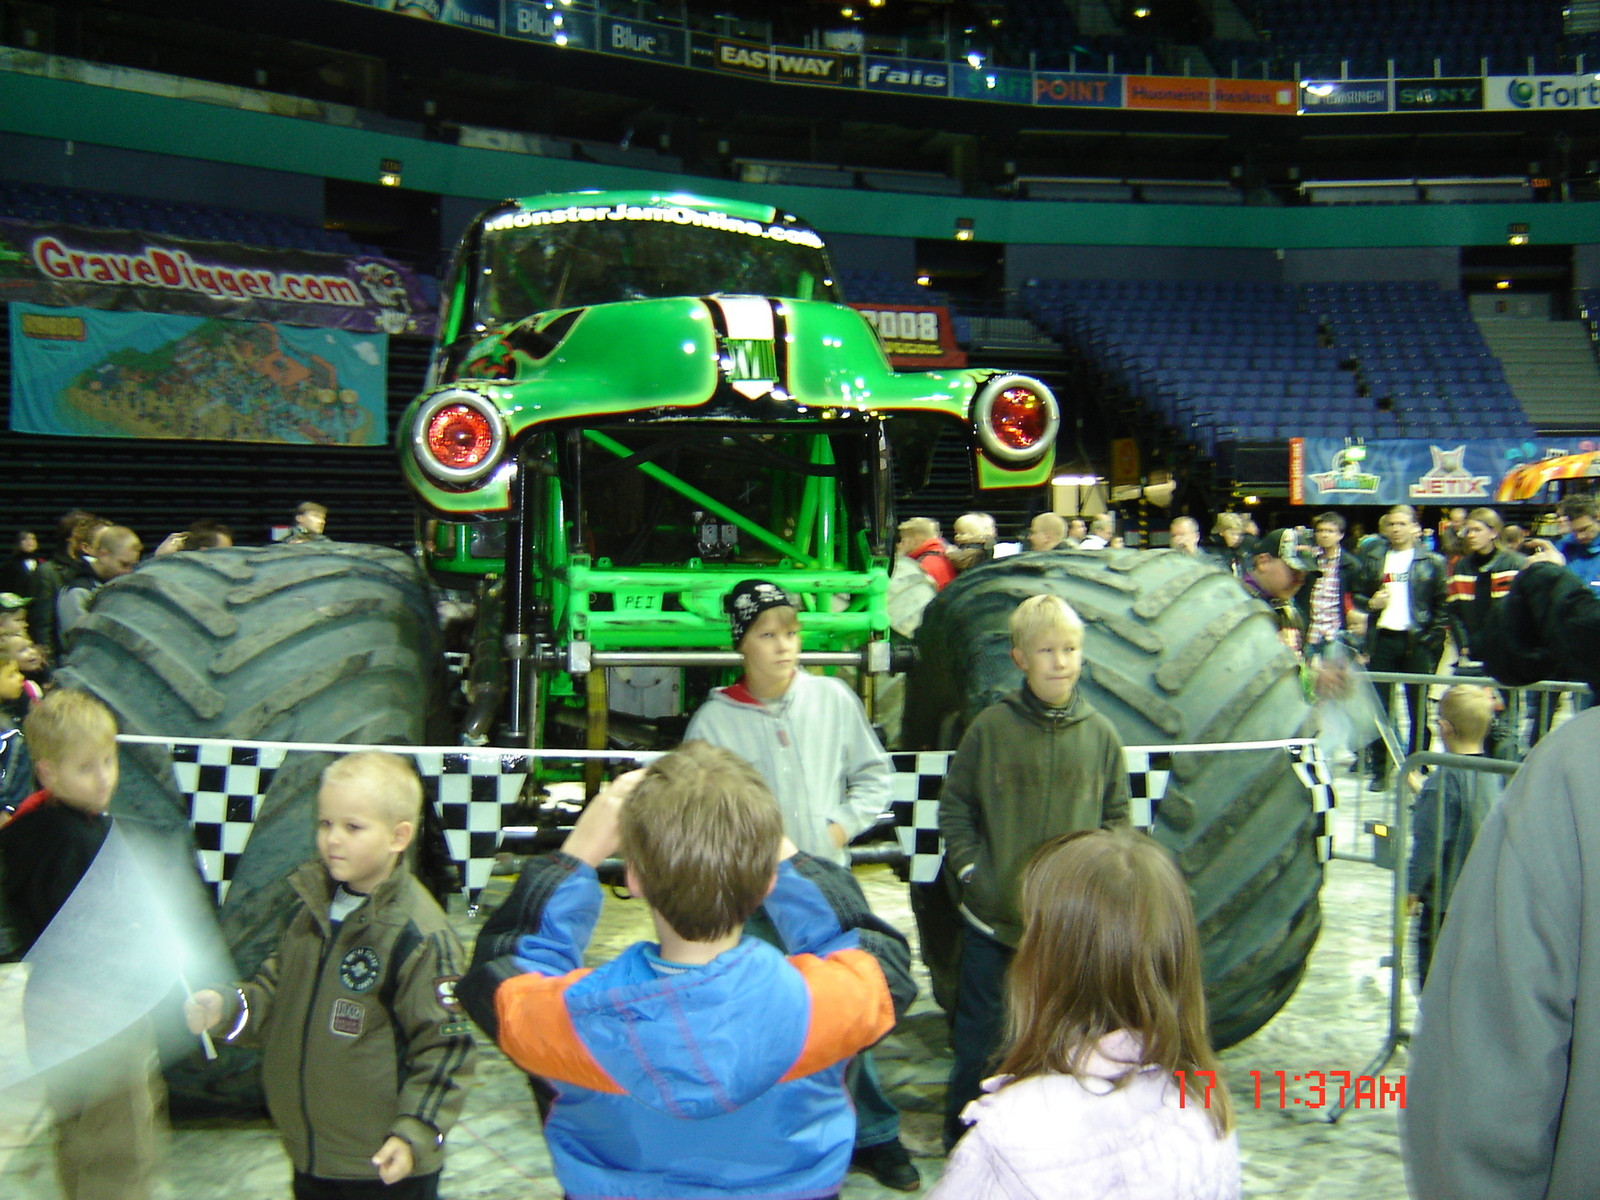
{"x":1016,"y":419}
{"x":458,"y":436}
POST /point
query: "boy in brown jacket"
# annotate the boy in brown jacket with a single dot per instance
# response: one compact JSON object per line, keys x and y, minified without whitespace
{"x":365,"y":1052}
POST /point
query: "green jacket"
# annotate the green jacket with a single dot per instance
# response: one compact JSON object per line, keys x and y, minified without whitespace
{"x":360,"y":1031}
{"x":1024,"y":773}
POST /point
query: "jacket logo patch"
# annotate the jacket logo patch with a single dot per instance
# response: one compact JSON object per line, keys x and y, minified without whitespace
{"x":444,"y":991}
{"x":348,"y":1018}
{"x":360,"y":969}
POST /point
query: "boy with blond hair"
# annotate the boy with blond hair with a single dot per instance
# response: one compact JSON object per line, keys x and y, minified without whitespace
{"x":108,"y":1136}
{"x":365,"y":1052}
{"x":974,"y":535}
{"x":706,"y":1063}
{"x":1040,"y":763}
{"x":1449,"y":811}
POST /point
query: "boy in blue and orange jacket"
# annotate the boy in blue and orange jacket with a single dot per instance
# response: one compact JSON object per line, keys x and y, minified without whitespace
{"x":707,"y":1063}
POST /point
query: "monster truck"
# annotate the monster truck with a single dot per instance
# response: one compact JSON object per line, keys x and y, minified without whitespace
{"x":638,"y":400}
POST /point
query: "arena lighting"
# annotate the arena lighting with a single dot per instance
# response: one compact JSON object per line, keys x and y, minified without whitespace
{"x":1075,"y":480}
{"x":975,"y":60}
{"x":1502,"y":285}
{"x":1141,"y":12}
{"x":1252,"y":500}
{"x":1517,"y":239}
{"x":964,"y":229}
{"x":924,"y":281}
{"x":389,"y":172}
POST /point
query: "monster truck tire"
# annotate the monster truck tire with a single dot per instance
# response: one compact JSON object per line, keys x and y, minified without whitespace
{"x":319,"y":642}
{"x":1175,"y":652}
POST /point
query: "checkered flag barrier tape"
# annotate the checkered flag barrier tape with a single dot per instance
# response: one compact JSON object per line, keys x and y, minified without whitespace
{"x":477,"y":790}
{"x":918,"y":778}
{"x":223,"y":783}
{"x":1314,"y":772}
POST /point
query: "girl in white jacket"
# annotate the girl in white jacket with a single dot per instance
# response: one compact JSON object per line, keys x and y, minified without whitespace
{"x":1108,"y":1087}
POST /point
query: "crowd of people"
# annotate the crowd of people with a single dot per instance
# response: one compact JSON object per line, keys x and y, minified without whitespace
{"x":44,"y":598}
{"x":1078,"y":1033}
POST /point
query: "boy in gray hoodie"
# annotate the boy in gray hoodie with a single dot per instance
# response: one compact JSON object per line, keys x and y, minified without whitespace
{"x":809,"y":737}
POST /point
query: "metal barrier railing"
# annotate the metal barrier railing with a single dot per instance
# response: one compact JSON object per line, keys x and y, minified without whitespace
{"x":1374,"y":824}
{"x":1396,"y":1034}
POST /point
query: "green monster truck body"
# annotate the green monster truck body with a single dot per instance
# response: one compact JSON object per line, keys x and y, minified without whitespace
{"x":638,"y":400}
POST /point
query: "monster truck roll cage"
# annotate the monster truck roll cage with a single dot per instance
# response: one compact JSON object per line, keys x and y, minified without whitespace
{"x":592,"y":581}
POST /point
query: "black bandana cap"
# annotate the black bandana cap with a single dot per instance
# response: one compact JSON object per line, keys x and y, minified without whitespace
{"x":749,"y":600}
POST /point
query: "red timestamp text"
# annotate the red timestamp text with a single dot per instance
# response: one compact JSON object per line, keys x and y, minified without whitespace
{"x":1343,"y":1089}
{"x":1319,"y":1089}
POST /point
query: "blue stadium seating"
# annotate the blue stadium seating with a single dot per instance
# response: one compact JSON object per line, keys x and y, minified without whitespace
{"x":1234,"y":361}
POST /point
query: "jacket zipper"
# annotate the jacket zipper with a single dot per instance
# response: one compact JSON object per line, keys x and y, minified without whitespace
{"x":305,"y":1052}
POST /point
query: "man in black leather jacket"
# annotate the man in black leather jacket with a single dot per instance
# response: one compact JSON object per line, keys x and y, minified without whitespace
{"x":1401,"y":585}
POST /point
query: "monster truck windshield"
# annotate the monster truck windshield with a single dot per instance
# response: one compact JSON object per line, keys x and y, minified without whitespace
{"x":536,"y":261}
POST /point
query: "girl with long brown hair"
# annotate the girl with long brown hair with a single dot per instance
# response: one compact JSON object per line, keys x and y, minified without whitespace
{"x":1108,"y":1086}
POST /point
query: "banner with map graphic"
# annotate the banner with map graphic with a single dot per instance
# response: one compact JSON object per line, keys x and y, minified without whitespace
{"x":91,"y":373}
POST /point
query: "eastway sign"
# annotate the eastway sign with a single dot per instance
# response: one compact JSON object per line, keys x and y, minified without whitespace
{"x":776,"y":62}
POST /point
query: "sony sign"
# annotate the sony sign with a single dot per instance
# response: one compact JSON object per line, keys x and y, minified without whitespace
{"x":1438,"y":95}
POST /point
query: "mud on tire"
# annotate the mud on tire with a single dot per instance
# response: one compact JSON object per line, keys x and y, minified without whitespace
{"x":1175,"y":652}
{"x":322,"y":642}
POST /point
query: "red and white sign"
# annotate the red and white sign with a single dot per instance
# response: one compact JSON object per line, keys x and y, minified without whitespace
{"x":917,"y":336}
